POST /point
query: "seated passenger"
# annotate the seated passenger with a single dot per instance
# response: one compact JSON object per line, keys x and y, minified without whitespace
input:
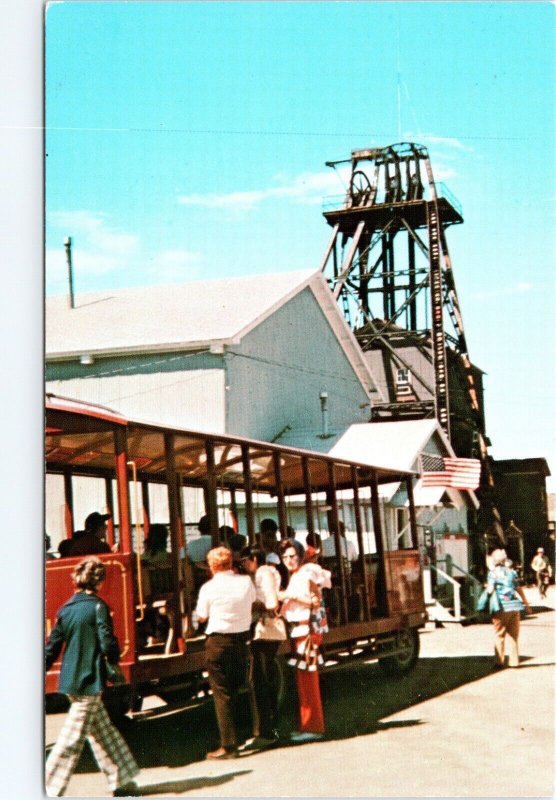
{"x":198,"y":548}
{"x":47,"y":543}
{"x":347,"y":547}
{"x":155,"y":625}
{"x":268,"y":537}
{"x":156,"y":551}
{"x":64,"y":548}
{"x":234,"y":542}
{"x":92,"y":540}
{"x":314,"y":540}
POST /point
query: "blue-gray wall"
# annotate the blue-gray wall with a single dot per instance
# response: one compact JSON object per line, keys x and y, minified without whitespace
{"x":280,"y":368}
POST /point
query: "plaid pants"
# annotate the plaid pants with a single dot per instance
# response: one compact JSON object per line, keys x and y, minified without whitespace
{"x":88,"y":719}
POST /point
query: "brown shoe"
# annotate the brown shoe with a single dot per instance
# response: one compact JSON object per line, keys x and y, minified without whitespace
{"x":222,"y":753}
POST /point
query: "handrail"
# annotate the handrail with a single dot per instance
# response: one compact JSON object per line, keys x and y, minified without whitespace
{"x":456,"y":590}
{"x":133,"y":466}
{"x":467,"y":574}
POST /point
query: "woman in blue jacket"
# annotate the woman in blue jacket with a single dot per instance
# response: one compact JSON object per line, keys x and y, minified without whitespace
{"x":503,"y":580}
{"x":84,"y":626}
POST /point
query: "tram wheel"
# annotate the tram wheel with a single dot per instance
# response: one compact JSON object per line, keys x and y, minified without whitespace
{"x":403,"y":662}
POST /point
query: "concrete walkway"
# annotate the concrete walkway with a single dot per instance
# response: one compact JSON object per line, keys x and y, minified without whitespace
{"x":451,"y":728}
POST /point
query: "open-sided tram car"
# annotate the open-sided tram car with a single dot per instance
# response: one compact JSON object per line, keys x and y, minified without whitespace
{"x":376,"y":604}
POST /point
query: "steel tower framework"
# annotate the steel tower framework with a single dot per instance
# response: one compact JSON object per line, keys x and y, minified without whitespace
{"x":389,"y":267}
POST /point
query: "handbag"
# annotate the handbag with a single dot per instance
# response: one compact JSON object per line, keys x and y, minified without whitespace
{"x":482,"y":602}
{"x":270,"y":628}
{"x":114,"y":673}
{"x":489,"y":602}
{"x":494,"y":604}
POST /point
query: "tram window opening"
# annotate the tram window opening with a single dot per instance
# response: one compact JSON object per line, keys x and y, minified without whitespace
{"x":55,"y":510}
{"x":193,"y":505}
{"x":89,"y":494}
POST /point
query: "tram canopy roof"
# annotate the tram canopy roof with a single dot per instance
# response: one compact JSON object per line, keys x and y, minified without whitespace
{"x":81,"y":437}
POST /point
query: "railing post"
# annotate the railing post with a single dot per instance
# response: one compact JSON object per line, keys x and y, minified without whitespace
{"x":457,"y":601}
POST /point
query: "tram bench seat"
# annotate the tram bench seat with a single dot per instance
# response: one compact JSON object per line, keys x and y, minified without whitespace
{"x":158,"y":583}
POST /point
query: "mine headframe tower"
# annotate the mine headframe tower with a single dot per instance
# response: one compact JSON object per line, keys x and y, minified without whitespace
{"x":389,"y":267}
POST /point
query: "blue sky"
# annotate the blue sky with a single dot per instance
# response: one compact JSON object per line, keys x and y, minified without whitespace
{"x":187,"y":140}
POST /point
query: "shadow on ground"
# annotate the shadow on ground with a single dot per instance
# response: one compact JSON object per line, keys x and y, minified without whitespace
{"x":178,"y":787}
{"x":356,"y":699}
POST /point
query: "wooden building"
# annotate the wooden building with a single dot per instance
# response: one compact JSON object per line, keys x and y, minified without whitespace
{"x":520,"y":493}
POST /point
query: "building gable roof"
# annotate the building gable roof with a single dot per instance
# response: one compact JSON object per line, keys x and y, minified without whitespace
{"x":392,"y":443}
{"x":166,"y":316}
{"x":187,"y":316}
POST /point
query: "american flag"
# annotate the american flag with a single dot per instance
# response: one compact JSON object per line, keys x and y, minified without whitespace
{"x":454,"y":473}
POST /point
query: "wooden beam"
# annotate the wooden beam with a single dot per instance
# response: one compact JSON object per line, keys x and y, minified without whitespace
{"x":120,"y":445}
{"x":282,"y":517}
{"x":360,"y":544}
{"x":334,"y":525}
{"x":382,"y":596}
{"x":248,"y":490}
{"x":308,"y":495}
{"x":211,"y":503}
{"x":68,"y":504}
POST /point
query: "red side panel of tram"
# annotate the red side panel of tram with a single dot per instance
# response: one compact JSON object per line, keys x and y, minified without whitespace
{"x":404,"y":583}
{"x":117,"y":591}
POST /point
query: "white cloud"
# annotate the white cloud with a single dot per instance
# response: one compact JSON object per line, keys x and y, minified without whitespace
{"x":93,"y":230}
{"x":102,"y":253}
{"x":305,"y":189}
{"x":448,"y":142}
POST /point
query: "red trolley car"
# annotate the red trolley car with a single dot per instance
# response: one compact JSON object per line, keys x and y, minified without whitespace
{"x":144,"y":473}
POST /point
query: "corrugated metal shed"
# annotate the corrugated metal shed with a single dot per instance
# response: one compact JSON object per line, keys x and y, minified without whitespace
{"x":171,"y":398}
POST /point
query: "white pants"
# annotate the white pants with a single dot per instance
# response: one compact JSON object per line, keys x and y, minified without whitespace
{"x":88,"y":719}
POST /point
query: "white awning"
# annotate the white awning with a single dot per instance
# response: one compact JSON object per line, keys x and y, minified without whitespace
{"x":427,"y":495}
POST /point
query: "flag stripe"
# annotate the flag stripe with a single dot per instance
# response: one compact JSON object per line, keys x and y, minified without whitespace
{"x":453,"y":473}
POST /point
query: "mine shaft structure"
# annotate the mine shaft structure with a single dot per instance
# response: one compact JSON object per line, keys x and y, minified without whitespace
{"x":389,"y":267}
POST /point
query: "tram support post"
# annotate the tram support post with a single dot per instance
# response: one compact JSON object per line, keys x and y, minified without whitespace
{"x":120,"y":442}
{"x":359,"y":529}
{"x":334,"y":524}
{"x":308,"y":495}
{"x":109,"y":494}
{"x":68,"y":508}
{"x":211,"y":504}
{"x":248,"y":491}
{"x":282,"y":517}
{"x":146,"y":508}
{"x":412,"y":515}
{"x":382,"y":594}
{"x":175,"y":535}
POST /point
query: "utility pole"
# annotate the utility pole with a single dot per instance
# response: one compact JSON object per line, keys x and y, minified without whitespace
{"x":67,"y":245}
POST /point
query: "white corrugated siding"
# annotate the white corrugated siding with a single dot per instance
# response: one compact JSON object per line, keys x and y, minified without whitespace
{"x":194,"y":399}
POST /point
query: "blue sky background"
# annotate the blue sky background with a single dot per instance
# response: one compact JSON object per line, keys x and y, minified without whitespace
{"x":187,"y":140}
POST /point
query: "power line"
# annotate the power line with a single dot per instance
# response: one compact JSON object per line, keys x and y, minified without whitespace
{"x":223,"y":132}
